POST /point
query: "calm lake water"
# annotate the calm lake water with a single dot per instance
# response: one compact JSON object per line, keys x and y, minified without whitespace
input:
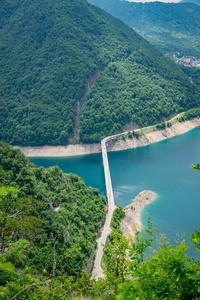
{"x":162,"y":167}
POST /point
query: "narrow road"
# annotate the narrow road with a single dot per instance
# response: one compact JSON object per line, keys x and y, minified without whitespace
{"x":97,"y":270}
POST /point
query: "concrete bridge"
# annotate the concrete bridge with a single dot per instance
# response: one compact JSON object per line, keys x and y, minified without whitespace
{"x":97,"y":270}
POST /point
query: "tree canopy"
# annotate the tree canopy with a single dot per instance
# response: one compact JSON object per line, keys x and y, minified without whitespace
{"x":171,"y":27}
{"x":48,"y":224}
{"x":50,"y":50}
{"x":54,"y":211}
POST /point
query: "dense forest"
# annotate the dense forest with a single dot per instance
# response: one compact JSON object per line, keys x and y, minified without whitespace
{"x":130,"y":100}
{"x":55,"y":212}
{"x":50,"y":50}
{"x":193,"y":73}
{"x":48,"y":224}
{"x":171,"y":27}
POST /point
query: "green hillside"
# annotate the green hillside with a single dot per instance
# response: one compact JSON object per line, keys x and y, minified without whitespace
{"x":51,"y":205}
{"x":193,"y":73}
{"x":50,"y":50}
{"x":48,"y":224}
{"x":192,"y":1}
{"x":171,"y":27}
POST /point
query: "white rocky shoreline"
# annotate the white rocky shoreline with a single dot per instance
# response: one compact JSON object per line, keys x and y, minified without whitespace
{"x":116,"y":145}
{"x":131,"y":224}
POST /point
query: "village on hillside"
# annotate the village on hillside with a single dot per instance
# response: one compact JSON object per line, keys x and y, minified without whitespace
{"x":187,"y":61}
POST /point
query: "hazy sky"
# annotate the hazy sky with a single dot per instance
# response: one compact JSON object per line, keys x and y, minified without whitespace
{"x":175,"y":1}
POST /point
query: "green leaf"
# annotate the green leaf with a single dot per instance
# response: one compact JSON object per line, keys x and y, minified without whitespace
{"x":7,"y":266}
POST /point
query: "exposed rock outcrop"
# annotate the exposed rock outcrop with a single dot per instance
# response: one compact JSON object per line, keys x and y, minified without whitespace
{"x":131,"y":223}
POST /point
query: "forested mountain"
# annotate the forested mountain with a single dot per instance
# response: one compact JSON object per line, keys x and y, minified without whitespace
{"x":193,"y":73}
{"x":191,"y":1}
{"x":48,"y":224}
{"x":55,"y":213}
{"x":50,"y":50}
{"x":171,"y":27}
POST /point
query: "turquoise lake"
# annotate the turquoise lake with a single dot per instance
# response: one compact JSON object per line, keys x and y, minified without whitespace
{"x":162,"y":167}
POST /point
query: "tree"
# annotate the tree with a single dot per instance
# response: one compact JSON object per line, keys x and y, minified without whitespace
{"x":15,"y":217}
{"x":7,"y":197}
{"x":195,"y":239}
{"x":117,"y":264}
{"x":167,"y":273}
{"x":130,"y":136}
{"x":197,"y":167}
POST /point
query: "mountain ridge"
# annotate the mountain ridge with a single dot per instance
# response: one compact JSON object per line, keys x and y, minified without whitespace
{"x":191,"y":1}
{"x":45,"y":75}
{"x":170,"y":27}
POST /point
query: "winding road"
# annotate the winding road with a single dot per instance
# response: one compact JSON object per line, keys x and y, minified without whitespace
{"x":97,"y":270}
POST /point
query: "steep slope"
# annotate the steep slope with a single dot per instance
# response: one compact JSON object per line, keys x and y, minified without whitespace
{"x":69,"y":211}
{"x":50,"y":50}
{"x":171,"y":27}
{"x":193,"y":73}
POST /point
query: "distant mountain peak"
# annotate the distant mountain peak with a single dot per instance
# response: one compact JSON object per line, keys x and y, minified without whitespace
{"x":191,"y":1}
